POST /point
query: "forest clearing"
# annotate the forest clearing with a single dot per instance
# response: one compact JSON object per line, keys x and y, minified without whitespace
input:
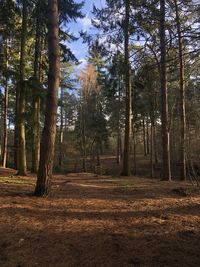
{"x":92,"y":220}
{"x":99,"y":133}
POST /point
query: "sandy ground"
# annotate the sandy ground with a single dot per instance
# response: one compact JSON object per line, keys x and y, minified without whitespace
{"x":91,"y":221}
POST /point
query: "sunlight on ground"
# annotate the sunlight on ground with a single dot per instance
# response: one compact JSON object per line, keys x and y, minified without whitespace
{"x":98,"y":221}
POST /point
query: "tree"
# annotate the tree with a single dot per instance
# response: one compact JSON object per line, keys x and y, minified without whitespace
{"x":182,"y":95}
{"x":67,"y":104}
{"x":39,"y":25}
{"x":135,"y":61}
{"x":126,"y":158}
{"x":91,"y":120}
{"x":49,"y":131}
{"x":5,"y":137}
{"x":20,"y":95}
{"x":166,"y":172}
{"x":9,"y":25}
{"x":114,"y":97}
{"x":115,"y":21}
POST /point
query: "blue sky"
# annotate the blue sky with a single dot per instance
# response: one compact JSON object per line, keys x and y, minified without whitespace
{"x":78,"y":48}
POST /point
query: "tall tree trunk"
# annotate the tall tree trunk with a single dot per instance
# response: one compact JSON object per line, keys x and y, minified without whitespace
{"x":37,"y":133}
{"x":166,"y":170}
{"x":118,"y":146}
{"x":98,"y":153}
{"x":155,"y":144}
{"x":22,"y":96}
{"x":60,"y":157}
{"x":182,"y":96}
{"x":98,"y":166}
{"x":147,"y":126}
{"x":144,"y":137}
{"x":49,"y":131}
{"x":154,"y":129}
{"x":118,"y":123}
{"x":5,"y":136}
{"x":16,"y":138}
{"x":126,"y":157}
{"x":152,"y":136}
{"x":83,"y":132}
{"x":134,"y":150}
{"x":84,"y":147}
{"x":36,"y":99}
{"x":151,"y":150}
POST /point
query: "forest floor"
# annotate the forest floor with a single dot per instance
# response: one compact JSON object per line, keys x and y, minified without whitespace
{"x":91,"y":221}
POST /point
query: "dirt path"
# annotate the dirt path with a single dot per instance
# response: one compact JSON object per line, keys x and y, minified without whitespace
{"x":97,"y":221}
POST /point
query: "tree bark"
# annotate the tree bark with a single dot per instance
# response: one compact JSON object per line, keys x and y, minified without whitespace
{"x":36,"y":98}
{"x":16,"y":138}
{"x":134,"y":150}
{"x":98,"y":153}
{"x":60,"y":157}
{"x":83,"y":131}
{"x":5,"y":136}
{"x":151,"y":151}
{"x":126,"y":157}
{"x":49,"y":131}
{"x":118,"y":146}
{"x":147,"y":126}
{"x":182,"y":97}
{"x":22,"y":96}
{"x":166,"y":170}
{"x":118,"y":123}
{"x":144,"y":137}
{"x":154,"y":130}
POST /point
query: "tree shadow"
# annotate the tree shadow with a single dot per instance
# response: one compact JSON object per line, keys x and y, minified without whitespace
{"x":55,"y":248}
{"x":62,"y":212}
{"x":38,"y":234}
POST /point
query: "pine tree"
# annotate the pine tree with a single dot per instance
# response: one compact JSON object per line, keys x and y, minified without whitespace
{"x":67,"y":11}
{"x":166,"y":172}
{"x":20,"y":95}
{"x":126,"y":158}
{"x":49,"y":131}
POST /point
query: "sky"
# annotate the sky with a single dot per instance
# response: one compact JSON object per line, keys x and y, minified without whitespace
{"x":78,"y":47}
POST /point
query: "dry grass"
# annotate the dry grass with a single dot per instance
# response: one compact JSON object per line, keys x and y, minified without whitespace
{"x":98,"y":221}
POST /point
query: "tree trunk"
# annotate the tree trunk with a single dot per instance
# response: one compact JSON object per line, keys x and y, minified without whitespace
{"x":37,"y":135}
{"x":151,"y":151}
{"x":118,"y":146}
{"x":5,"y":136}
{"x":49,"y":131}
{"x":155,"y":144}
{"x":166,"y":170}
{"x":134,"y":150}
{"x":83,"y":132}
{"x":16,"y":138}
{"x":36,"y":101}
{"x":147,"y":126}
{"x":182,"y":97}
{"x":98,"y":153}
{"x":22,"y":96}
{"x":126,"y":157}
{"x":154,"y":129}
{"x":118,"y":124}
{"x":60,"y":157}
{"x":152,"y":136}
{"x":98,"y":166}
{"x":144,"y":137}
